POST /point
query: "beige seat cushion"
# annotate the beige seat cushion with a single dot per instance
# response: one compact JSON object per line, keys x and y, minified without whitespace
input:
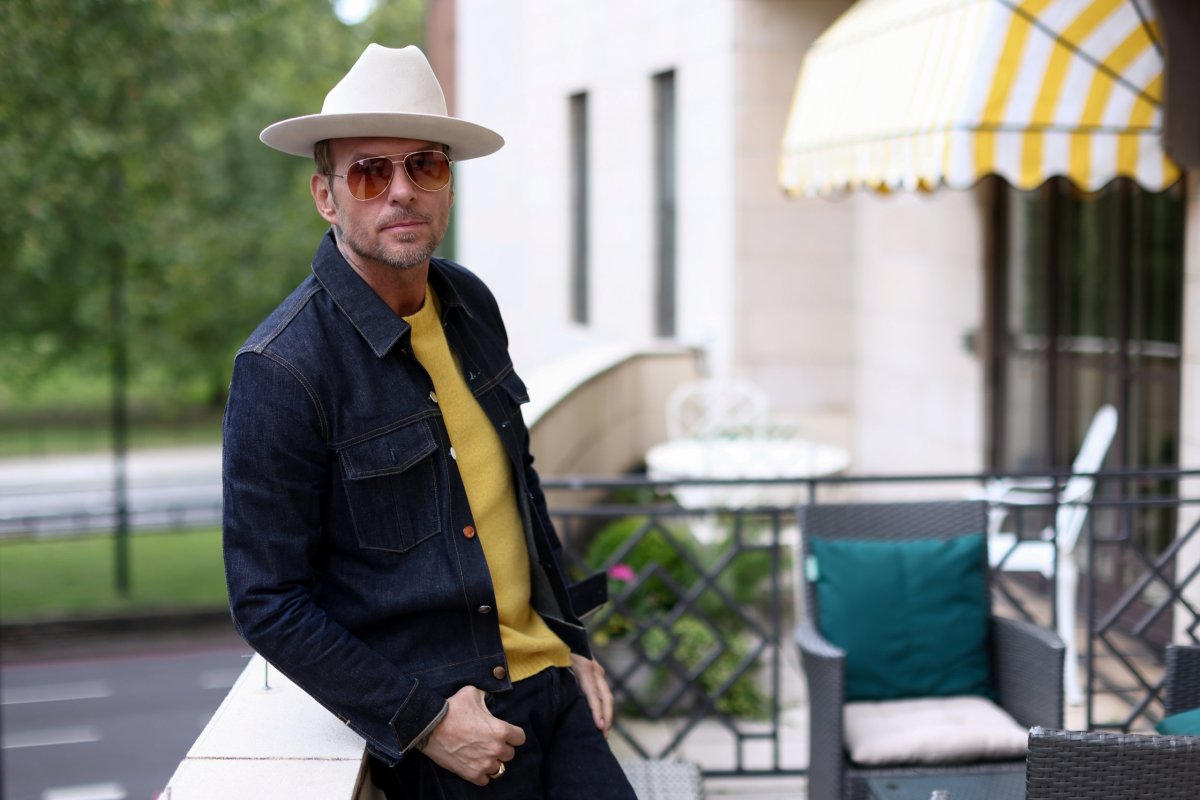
{"x":941,"y":730}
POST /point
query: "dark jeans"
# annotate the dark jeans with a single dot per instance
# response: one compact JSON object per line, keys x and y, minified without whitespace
{"x":564,"y":757}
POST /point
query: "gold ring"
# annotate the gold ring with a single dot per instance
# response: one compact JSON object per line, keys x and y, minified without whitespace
{"x":497,"y":773}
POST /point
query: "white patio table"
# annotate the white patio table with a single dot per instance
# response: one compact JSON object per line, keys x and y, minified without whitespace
{"x":750,"y":458}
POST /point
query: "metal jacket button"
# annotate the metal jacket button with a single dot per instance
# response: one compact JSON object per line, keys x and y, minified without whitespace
{"x":453,"y":454}
{"x":433,"y":396}
{"x":469,"y":531}
{"x":485,"y":609}
{"x":498,"y":673}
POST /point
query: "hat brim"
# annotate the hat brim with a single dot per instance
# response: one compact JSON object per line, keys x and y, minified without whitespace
{"x":298,"y":135}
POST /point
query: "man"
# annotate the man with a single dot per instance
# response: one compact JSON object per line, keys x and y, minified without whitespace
{"x":387,"y":545}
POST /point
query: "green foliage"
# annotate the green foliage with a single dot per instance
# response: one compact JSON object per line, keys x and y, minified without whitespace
{"x":133,"y":171}
{"x":651,"y":550}
{"x":665,"y":556}
{"x":653,"y":566}
{"x":66,"y":577}
{"x":696,"y":650}
{"x":742,"y":575}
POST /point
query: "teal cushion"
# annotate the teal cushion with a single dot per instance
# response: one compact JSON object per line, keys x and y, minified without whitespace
{"x":912,"y":616}
{"x":1185,"y":723}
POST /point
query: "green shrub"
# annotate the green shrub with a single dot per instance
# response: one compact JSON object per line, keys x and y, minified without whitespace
{"x":653,"y":566}
{"x":691,"y":644}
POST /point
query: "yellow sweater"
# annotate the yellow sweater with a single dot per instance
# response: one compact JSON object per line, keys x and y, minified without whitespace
{"x":529,"y":645}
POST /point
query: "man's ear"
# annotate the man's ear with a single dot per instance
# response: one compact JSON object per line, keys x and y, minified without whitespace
{"x":323,"y":197}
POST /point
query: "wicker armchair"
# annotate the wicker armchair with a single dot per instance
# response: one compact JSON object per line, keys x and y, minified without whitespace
{"x":1026,"y":661}
{"x":1090,"y":765}
{"x":1082,"y":765}
{"x":1182,"y":684}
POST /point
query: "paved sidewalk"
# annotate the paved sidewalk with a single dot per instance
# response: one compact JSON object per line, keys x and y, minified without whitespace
{"x":158,"y":466}
{"x":167,"y":487}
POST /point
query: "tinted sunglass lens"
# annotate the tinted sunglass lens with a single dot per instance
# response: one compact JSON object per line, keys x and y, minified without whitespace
{"x":429,"y":170}
{"x":368,"y":178}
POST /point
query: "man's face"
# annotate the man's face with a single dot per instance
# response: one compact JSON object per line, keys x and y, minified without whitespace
{"x":400,"y":228}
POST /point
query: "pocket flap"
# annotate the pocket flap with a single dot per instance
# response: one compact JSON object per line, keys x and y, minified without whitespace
{"x":389,"y":453}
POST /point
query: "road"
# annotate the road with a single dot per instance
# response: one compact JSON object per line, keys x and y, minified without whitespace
{"x":112,"y":726}
{"x":170,"y":487}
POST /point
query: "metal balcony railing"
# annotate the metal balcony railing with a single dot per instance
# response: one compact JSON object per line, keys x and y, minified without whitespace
{"x":702,"y":601}
{"x":696,"y":639}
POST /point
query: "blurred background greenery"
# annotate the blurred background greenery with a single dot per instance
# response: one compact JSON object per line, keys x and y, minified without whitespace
{"x":71,"y":577}
{"x":146,"y":231}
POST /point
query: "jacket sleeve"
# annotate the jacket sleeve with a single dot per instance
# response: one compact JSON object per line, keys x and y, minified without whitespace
{"x":276,"y":480}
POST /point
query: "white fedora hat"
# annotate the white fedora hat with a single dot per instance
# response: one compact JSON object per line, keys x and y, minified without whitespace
{"x":388,"y":92}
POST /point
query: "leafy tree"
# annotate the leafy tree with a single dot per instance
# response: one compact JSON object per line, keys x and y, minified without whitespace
{"x":142,"y":212}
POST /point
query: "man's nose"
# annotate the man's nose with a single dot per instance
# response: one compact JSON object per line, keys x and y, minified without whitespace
{"x":401,"y":189}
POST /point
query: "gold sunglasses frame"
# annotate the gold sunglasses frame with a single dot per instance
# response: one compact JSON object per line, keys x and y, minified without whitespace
{"x":402,"y":160}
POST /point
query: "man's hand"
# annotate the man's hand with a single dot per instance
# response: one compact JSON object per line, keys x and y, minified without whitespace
{"x":591,"y":679}
{"x":469,"y":741}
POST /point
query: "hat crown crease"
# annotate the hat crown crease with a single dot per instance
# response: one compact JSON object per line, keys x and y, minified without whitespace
{"x":412,"y":86}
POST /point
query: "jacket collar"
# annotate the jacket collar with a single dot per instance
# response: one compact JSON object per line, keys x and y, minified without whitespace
{"x":370,"y":316}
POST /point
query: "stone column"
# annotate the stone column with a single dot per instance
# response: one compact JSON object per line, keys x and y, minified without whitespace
{"x":1189,"y":451}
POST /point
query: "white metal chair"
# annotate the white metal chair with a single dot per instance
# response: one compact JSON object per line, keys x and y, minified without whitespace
{"x":715,"y":407}
{"x":1052,"y":555}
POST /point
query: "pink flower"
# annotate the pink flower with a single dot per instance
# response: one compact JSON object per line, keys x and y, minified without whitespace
{"x":622,"y":572}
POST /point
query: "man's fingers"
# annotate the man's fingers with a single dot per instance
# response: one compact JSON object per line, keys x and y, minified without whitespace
{"x":606,"y":697}
{"x":514,"y":736}
{"x":604,"y":702}
{"x":595,"y":689}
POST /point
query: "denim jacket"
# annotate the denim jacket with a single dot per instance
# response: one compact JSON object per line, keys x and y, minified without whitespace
{"x":349,"y":545}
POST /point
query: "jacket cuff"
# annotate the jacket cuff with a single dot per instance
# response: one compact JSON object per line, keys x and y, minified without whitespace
{"x":423,"y":737}
{"x":419,"y":712}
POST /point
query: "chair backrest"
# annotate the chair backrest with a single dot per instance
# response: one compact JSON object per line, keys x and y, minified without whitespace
{"x":888,"y":522}
{"x":1181,"y":686}
{"x":1096,"y":441}
{"x":1077,"y":493}
{"x":714,"y":407}
{"x":1086,"y":765}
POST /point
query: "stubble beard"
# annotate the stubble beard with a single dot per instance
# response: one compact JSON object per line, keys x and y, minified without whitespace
{"x":410,"y":255}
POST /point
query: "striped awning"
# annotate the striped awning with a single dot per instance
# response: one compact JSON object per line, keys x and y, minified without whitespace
{"x":914,"y":94}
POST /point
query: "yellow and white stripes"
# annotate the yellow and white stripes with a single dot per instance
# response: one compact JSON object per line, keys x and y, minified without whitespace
{"x":904,"y":94}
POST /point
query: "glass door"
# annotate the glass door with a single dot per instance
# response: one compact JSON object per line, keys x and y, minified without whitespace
{"x":1085,"y":308}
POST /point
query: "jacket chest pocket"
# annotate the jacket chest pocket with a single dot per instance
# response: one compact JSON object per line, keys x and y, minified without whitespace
{"x":396,"y":488}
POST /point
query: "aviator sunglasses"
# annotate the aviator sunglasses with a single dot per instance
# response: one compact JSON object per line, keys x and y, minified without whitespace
{"x":368,"y":178}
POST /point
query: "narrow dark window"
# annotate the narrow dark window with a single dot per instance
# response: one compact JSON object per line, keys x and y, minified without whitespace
{"x":664,"y":203}
{"x":578,"y":109}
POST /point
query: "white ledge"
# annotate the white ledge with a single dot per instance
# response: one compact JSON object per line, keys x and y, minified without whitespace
{"x":269,"y":738}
